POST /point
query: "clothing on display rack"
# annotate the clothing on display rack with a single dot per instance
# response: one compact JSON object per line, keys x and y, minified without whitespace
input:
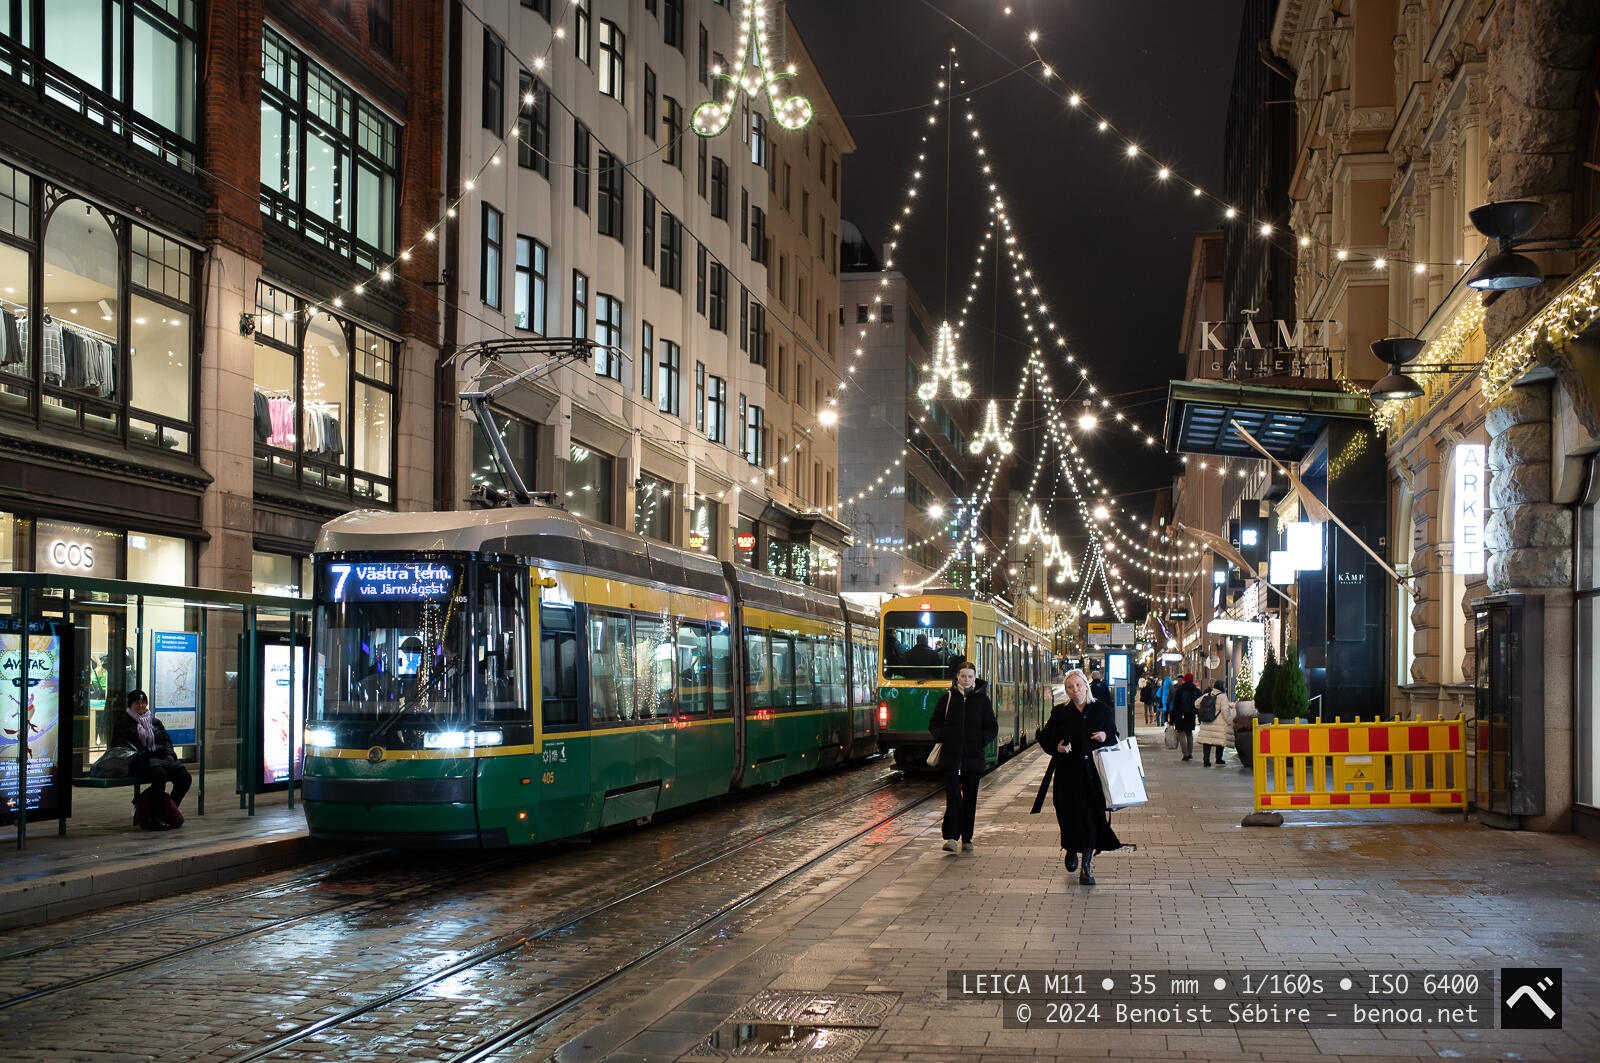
{"x":74,"y":357}
{"x":273,"y":414}
{"x":12,"y":350}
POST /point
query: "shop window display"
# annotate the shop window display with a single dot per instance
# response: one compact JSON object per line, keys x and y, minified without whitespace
{"x":324,"y":400}
{"x":589,"y":478}
{"x":71,"y":353}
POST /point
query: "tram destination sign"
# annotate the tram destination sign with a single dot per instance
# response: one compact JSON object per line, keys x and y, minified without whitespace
{"x":387,"y":581}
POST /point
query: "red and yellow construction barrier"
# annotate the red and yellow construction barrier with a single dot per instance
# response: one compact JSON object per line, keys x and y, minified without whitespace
{"x":1394,"y":764}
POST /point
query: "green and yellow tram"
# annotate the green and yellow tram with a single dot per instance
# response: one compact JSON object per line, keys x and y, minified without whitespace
{"x":510,"y":676}
{"x":923,"y":638}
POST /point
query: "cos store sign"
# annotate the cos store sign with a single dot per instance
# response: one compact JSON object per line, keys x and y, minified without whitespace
{"x":74,"y":550}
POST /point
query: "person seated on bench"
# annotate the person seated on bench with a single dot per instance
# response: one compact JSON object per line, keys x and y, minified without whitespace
{"x":154,"y":760}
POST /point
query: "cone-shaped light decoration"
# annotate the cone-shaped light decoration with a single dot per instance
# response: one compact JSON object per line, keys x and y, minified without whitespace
{"x":755,"y":77}
{"x":945,"y":367}
{"x":991,"y":434}
{"x":1035,"y":528}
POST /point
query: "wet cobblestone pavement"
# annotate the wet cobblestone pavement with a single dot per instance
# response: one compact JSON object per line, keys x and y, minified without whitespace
{"x":869,"y":929}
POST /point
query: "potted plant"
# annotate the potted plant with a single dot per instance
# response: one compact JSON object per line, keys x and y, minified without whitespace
{"x":1244,"y":693}
{"x":1291,"y":699}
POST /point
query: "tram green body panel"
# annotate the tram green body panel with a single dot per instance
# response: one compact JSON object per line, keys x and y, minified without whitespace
{"x":561,"y":773}
{"x":381,"y":817}
{"x":911,"y":710}
{"x":617,"y":773}
{"x":704,"y":758}
{"x":507,"y":803}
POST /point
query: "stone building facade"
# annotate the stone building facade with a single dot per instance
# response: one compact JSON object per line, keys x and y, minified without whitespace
{"x":1410,"y":115}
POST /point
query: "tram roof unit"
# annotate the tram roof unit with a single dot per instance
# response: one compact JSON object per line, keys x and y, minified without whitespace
{"x":546,"y":534}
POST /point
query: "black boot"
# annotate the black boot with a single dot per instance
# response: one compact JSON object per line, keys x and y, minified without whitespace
{"x":1072,"y":860}
{"x":1084,"y":878}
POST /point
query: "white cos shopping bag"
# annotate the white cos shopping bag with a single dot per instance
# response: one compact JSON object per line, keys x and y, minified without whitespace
{"x":1121,"y":774}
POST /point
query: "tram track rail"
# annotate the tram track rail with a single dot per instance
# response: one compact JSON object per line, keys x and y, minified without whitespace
{"x":532,"y":933}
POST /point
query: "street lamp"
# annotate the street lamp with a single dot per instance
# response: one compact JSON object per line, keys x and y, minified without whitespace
{"x":1505,"y":223}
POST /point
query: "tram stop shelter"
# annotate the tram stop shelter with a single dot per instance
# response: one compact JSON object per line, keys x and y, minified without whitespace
{"x":226,"y":673}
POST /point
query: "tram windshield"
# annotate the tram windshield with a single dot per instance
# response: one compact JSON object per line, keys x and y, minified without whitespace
{"x":923,"y":645}
{"x":391,"y":645}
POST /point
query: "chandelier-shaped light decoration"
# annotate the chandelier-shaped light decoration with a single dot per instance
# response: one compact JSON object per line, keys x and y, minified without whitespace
{"x":1061,"y":561}
{"x":755,"y":77}
{"x":945,"y":367}
{"x":991,"y":434}
{"x":1035,"y":528}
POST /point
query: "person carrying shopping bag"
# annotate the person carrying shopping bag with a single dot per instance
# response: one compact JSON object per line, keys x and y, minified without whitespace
{"x":1076,"y":728}
{"x":965,"y":723}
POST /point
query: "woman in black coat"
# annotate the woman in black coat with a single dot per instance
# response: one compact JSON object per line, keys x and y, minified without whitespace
{"x":154,"y":759}
{"x":965,"y":722}
{"x":1076,"y":728}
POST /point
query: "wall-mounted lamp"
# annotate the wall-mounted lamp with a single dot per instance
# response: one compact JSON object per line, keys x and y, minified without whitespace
{"x":1506,"y":223}
{"x":247,"y":324}
{"x":1397,"y":351}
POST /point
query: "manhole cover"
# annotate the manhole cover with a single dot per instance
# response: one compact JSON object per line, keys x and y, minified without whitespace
{"x":817,"y":1009}
{"x":744,"y":1040}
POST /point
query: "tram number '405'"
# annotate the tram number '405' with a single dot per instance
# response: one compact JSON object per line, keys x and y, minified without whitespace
{"x":548,"y":777}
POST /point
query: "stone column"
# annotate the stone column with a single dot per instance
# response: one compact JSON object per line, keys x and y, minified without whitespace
{"x":1529,"y":541}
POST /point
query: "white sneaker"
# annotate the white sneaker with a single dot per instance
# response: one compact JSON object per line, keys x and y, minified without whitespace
{"x":951,"y":845}
{"x":966,"y":847}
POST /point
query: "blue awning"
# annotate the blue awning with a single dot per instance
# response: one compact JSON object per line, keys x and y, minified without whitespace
{"x":1286,"y":421}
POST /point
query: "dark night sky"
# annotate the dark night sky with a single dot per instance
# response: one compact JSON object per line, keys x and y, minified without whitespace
{"x":1109,"y":245}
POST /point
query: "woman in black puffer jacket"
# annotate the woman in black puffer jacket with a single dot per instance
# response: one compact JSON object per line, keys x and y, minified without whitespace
{"x":965,"y":722}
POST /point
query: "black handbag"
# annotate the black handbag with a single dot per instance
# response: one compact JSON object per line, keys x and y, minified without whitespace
{"x":114,"y":763}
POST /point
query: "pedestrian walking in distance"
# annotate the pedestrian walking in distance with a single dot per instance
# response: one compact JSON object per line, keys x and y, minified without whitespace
{"x":1184,"y":696}
{"x":1217,"y":731}
{"x":965,"y":722}
{"x":1076,"y":728}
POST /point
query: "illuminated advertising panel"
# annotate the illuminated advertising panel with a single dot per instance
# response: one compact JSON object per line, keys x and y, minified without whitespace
{"x":34,"y":731}
{"x":1470,"y":484}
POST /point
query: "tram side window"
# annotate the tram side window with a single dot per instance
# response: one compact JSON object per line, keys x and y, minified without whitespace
{"x":782,"y":672}
{"x":694,"y":668}
{"x":836,"y":678}
{"x":758,"y":692}
{"x":500,"y":652}
{"x":925,"y":645}
{"x":652,"y":657}
{"x":610,"y":669}
{"x":805,"y":670}
{"x":558,"y":666}
{"x":721,"y":670}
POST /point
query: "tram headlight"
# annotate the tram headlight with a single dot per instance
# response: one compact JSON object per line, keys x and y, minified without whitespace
{"x":462,"y":739}
{"x":321,"y":736}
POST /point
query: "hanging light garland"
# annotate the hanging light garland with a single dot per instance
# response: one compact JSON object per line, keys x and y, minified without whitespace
{"x":792,"y":112}
{"x":991,"y":434}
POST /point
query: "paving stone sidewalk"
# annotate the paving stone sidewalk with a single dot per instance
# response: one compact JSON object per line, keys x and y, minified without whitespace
{"x":1357,"y":890}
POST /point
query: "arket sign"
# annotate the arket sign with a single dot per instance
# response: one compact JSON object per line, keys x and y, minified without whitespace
{"x":1470,"y":485}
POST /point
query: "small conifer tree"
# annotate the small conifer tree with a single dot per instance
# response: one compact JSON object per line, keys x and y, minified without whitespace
{"x":1290,"y":697}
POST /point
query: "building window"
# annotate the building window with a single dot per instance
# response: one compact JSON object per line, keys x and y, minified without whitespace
{"x":489,"y":263}
{"x":744,"y":215}
{"x":647,"y":360}
{"x":494,"y":82}
{"x":719,"y":188}
{"x":127,"y":66}
{"x":758,"y":235}
{"x":671,"y":252}
{"x":532,"y":295}
{"x":613,"y":47}
{"x":700,"y":279}
{"x":652,"y":508}
{"x":672,"y":131}
{"x":717,"y":410}
{"x":610,"y":189}
{"x":755,"y":437}
{"x":518,"y":437}
{"x":589,"y":480}
{"x":705,"y":56}
{"x":672,"y":24}
{"x":744,"y":318}
{"x":648,"y":111}
{"x":783,"y":185}
{"x":704,"y":152}
{"x":667,"y":374}
{"x":805,"y":212}
{"x":717,"y":297}
{"x":380,"y":25}
{"x":541,"y":7}
{"x":648,"y":241}
{"x":580,"y":30}
{"x":758,"y":332}
{"x":886,"y":313}
{"x":700,"y":396}
{"x":329,"y":159}
{"x":580,"y":306}
{"x":324,"y":401}
{"x":758,"y":139}
{"x":533,"y":125}
{"x":106,"y":346}
{"x":608,"y":333}
{"x":580,"y":166}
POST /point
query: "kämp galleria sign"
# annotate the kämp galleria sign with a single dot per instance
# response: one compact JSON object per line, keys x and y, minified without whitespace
{"x":1274,"y":335}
